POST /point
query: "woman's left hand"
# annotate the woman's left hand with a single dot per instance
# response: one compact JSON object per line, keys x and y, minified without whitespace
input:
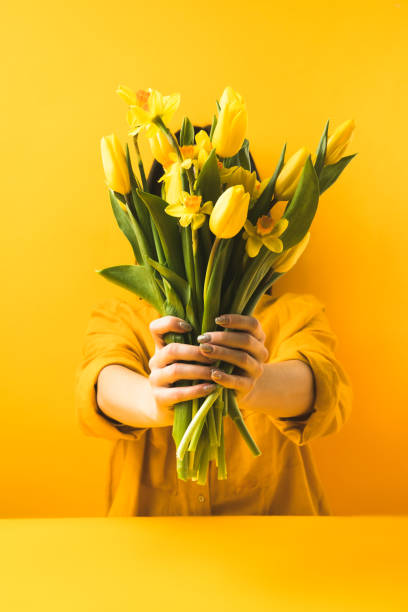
{"x":243,"y":347}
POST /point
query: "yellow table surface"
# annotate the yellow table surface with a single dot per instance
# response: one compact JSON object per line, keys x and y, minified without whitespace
{"x":252,"y":563}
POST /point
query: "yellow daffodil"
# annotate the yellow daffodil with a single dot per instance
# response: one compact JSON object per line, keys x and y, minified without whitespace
{"x":173,"y":185}
{"x":114,"y":164}
{"x":266,"y":232}
{"x":236,"y":175}
{"x":288,"y":259}
{"x":289,"y":176}
{"x":232,"y":123}
{"x":338,"y":141}
{"x":230,"y":212}
{"x":190,"y":210}
{"x":145,"y":106}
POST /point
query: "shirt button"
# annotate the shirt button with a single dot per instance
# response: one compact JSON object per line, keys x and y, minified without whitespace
{"x":201,"y":498}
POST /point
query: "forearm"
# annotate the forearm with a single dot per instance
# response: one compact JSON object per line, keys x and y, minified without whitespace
{"x":284,"y":389}
{"x":126,"y":396}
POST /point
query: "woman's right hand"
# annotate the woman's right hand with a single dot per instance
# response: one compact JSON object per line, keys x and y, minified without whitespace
{"x":166,"y":367}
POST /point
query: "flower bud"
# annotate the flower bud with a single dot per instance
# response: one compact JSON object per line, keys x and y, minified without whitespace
{"x":230,"y":131}
{"x":338,"y":141}
{"x":230,"y":212}
{"x":161,"y":148}
{"x":288,"y":259}
{"x":114,"y":164}
{"x":289,"y":176}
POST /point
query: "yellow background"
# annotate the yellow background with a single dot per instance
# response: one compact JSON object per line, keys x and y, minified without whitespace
{"x":296,"y":64}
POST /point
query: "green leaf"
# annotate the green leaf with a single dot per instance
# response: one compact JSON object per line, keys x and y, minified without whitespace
{"x":321,"y":150}
{"x":167,"y":228}
{"x":208,"y":182}
{"x":137,"y":279}
{"x":137,"y":207}
{"x":212,"y":299}
{"x":186,"y":133}
{"x":213,"y":125}
{"x":218,"y":106}
{"x":177,"y":282}
{"x":302,"y":207}
{"x":241,"y":158}
{"x":263,"y":203}
{"x":331,"y":173}
{"x":125,"y":225}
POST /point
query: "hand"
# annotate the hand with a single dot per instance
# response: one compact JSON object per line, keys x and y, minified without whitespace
{"x":244,"y":347}
{"x":167,"y":367}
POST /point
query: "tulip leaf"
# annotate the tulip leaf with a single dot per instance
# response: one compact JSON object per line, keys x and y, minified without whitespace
{"x":218,"y":106}
{"x":137,"y":279}
{"x":213,"y":125}
{"x":122,"y":218}
{"x":330,"y":173}
{"x":208,"y":182}
{"x":321,"y":150}
{"x":263,"y":203}
{"x":178,"y":283}
{"x":138,"y":209}
{"x":167,"y":229}
{"x":212,"y":299}
{"x":302,"y":207}
{"x":186,"y":133}
{"x":241,"y":158}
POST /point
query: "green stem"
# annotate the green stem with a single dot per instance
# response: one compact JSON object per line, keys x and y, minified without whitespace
{"x":139,"y":162}
{"x":210,"y":264}
{"x":196,"y":422}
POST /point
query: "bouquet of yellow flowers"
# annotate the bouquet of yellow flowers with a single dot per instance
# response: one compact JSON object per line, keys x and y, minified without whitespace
{"x":213,"y":242}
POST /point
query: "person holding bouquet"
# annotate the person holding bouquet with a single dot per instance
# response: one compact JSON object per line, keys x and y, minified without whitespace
{"x":289,"y":385}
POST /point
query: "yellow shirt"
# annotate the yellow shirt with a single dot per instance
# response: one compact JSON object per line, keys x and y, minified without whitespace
{"x":282,"y":480}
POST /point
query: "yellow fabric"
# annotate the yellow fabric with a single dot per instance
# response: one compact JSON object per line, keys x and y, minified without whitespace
{"x":282,"y":480}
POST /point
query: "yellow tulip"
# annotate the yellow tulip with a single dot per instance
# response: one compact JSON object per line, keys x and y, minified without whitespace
{"x":230,"y":131}
{"x":290,"y":257}
{"x":289,"y":176}
{"x":161,"y":148}
{"x":230,"y":212}
{"x":173,"y":186}
{"x":338,"y":141}
{"x":114,"y":164}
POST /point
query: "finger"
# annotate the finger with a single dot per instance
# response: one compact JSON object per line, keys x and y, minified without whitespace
{"x":162,"y":325}
{"x":242,"y":359}
{"x":242,"y":322}
{"x":176,"y":351}
{"x":232,"y":381}
{"x":173,"y":395}
{"x":241,"y":340}
{"x":179,"y":371}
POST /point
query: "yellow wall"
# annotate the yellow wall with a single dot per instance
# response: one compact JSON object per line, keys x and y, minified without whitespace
{"x":296,"y":63}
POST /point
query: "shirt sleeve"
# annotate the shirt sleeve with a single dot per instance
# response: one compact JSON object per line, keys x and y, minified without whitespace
{"x":301,"y":330}
{"x":111,"y":338}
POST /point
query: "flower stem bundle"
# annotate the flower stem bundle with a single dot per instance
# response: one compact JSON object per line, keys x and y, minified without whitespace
{"x":214,"y":241}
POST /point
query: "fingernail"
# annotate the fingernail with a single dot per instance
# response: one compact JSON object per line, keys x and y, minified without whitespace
{"x":209,"y":387}
{"x":207,"y":348}
{"x":204,"y":338}
{"x":223,"y":319}
{"x":217,"y":374}
{"x":185,"y":325}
